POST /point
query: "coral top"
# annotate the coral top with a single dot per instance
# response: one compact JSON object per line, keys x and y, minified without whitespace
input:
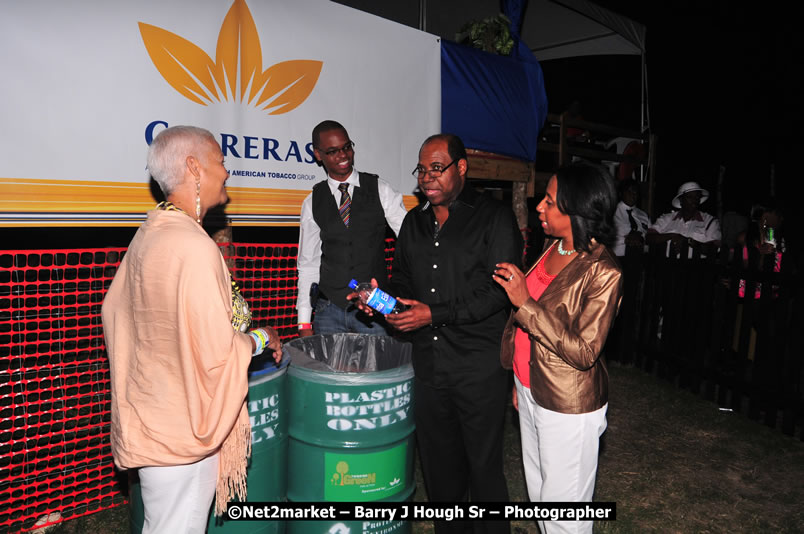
{"x":537,"y":281}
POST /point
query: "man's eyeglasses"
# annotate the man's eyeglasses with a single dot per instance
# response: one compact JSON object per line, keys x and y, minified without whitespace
{"x":333,"y":151}
{"x":435,"y":172}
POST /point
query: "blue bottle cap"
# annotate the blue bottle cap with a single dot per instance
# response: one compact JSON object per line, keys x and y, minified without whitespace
{"x":353,"y":284}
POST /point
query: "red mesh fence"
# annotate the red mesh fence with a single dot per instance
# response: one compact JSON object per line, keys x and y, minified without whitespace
{"x":55,"y":455}
{"x":266,"y":275}
{"x":54,"y":386}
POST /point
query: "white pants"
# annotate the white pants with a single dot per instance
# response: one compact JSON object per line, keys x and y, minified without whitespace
{"x":177,"y":498}
{"x":559,"y":452}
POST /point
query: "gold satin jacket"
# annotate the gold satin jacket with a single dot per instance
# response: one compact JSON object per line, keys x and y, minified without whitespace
{"x":567,"y":328}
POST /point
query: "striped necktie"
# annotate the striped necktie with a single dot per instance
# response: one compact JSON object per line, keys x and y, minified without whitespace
{"x":345,"y":208}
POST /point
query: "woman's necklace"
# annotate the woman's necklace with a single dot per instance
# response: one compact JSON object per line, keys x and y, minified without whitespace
{"x":241,"y":314}
{"x":561,"y":249}
{"x":167,"y":205}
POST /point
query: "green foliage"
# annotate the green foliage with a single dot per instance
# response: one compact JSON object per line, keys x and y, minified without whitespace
{"x":492,"y":34}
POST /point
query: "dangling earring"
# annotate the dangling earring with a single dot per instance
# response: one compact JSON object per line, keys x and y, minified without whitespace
{"x":198,"y":202}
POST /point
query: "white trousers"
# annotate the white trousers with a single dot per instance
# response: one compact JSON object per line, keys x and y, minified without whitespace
{"x":177,"y":498}
{"x":559,"y":452}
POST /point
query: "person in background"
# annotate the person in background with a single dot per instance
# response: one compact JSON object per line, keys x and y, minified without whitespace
{"x":733,"y":225}
{"x":563,"y":309}
{"x":443,"y":265}
{"x":630,"y":222}
{"x":688,"y":225}
{"x":574,"y":133}
{"x":342,"y":236}
{"x":175,"y":325}
{"x":763,"y":246}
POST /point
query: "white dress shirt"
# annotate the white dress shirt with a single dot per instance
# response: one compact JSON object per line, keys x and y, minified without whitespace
{"x":702,"y":228}
{"x":309,"y":259}
{"x":623,"y":225}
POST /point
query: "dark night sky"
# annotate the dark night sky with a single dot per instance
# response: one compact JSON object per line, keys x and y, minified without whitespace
{"x":724,"y":87}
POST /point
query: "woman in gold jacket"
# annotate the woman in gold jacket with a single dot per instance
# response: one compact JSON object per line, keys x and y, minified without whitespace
{"x":564,"y":308}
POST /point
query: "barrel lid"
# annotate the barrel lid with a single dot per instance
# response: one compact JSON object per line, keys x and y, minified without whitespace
{"x":264,"y":364}
{"x":348,"y":353}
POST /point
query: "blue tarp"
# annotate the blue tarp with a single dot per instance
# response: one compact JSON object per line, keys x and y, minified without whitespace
{"x":494,"y":103}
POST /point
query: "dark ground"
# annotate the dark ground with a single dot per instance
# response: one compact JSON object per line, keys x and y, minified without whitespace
{"x":671,"y":461}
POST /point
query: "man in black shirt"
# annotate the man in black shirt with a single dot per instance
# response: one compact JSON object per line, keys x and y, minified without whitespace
{"x":445,"y":256}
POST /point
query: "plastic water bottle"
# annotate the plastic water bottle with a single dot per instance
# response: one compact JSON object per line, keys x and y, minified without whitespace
{"x":377,"y":299}
{"x":770,"y":238}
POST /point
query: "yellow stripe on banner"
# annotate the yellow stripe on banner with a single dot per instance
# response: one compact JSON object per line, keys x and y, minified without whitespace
{"x":410,"y":202}
{"x":43,"y":202}
{"x":72,"y":196}
{"x":256,"y":201}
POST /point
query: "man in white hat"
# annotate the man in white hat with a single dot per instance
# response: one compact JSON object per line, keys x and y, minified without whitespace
{"x":687,"y":225}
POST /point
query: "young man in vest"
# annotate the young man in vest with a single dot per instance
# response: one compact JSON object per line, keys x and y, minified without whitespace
{"x":342,"y":236}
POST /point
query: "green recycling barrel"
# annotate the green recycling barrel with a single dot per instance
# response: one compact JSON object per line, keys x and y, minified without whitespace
{"x":136,"y":512}
{"x":267,"y":469}
{"x":351,"y":428}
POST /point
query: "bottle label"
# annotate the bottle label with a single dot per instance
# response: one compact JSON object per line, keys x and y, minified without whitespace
{"x":770,"y":238}
{"x":381,"y":301}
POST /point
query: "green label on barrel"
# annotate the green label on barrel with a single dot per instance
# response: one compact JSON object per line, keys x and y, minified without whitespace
{"x":364,"y":476}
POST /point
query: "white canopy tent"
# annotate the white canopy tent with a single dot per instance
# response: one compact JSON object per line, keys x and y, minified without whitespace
{"x":557,"y":29}
{"x":552,"y":29}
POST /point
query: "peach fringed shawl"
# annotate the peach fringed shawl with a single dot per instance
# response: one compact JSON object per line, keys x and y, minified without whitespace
{"x":178,"y":368}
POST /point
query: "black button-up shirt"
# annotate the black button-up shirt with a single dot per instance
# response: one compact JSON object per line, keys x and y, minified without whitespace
{"x":450,"y":268}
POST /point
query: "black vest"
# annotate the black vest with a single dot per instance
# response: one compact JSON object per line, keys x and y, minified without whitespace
{"x":356,"y":252}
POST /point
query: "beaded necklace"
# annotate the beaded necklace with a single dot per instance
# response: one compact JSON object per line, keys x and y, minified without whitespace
{"x":241,"y":314}
{"x":166,"y":205}
{"x":561,"y":249}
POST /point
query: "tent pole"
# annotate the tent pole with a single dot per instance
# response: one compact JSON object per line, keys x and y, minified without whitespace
{"x":644,"y":87}
{"x":644,"y":111}
{"x":423,"y":15}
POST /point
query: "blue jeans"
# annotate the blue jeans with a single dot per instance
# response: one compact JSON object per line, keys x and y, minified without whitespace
{"x":331,"y":319}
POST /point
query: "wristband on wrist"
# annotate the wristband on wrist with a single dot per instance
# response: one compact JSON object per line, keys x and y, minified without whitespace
{"x":261,"y":339}
{"x":305,"y":326}
{"x":258,"y":346}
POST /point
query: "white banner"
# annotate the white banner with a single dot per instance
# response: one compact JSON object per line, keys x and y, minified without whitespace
{"x":87,"y":84}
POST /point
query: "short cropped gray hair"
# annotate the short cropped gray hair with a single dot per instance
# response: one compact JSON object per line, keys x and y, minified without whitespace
{"x":168,"y":153}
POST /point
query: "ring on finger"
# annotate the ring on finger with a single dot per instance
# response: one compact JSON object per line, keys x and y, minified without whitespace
{"x":511,"y":277}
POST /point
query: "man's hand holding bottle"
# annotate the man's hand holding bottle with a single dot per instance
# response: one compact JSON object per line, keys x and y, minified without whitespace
{"x":369,"y":299}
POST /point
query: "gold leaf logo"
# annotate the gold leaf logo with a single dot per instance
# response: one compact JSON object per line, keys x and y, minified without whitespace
{"x":236,"y":74}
